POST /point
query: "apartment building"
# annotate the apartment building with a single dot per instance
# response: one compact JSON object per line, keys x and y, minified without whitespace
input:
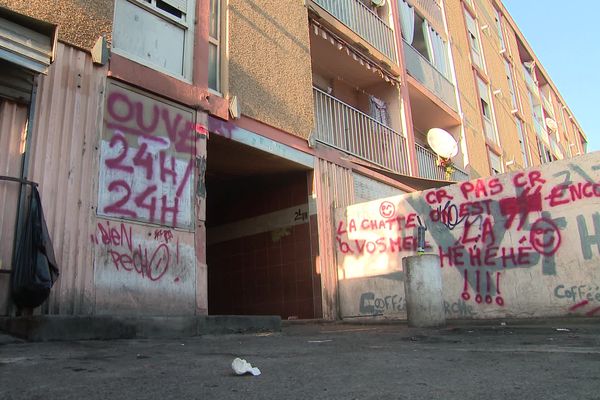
{"x":191,"y":154}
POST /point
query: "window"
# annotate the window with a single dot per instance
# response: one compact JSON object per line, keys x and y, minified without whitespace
{"x":500,"y":31}
{"x":511,"y":85}
{"x":157,"y":33}
{"x":474,"y":41}
{"x":522,"y":143}
{"x":422,"y":37}
{"x":495,"y":163}
{"x":486,"y":111}
{"x":214,"y":46}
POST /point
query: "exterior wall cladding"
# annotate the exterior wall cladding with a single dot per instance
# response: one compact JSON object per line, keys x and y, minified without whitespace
{"x":214,"y":174}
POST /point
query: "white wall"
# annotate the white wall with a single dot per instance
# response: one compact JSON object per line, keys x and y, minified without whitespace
{"x":525,"y":244}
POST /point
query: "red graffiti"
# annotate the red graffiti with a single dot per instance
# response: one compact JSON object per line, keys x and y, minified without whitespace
{"x":491,"y":296}
{"x":380,"y":245}
{"x":387,"y":209}
{"x":520,"y":206}
{"x":481,"y":188}
{"x":151,"y":263}
{"x":399,"y":223}
{"x":578,"y":305}
{"x":565,"y":194}
{"x":437,"y":196}
{"x":545,"y":236}
{"x":147,"y":183}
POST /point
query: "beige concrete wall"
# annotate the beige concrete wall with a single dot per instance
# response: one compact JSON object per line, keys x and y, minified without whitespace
{"x":525,"y":244}
{"x":80,"y":22}
{"x":269,"y":63}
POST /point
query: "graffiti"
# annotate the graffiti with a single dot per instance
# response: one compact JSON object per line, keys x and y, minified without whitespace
{"x":370,"y":304}
{"x":459,"y":309}
{"x":485,"y":228}
{"x":387,"y":209}
{"x":578,"y":292}
{"x":489,"y":281}
{"x":587,"y":240}
{"x":300,"y":215}
{"x":449,"y":215}
{"x":150,"y":259}
{"x":381,"y":245}
{"x":147,"y":160}
{"x":164,"y":234}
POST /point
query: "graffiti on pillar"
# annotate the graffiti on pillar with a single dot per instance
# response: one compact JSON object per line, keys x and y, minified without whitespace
{"x":147,"y":159}
{"x":483,"y":229}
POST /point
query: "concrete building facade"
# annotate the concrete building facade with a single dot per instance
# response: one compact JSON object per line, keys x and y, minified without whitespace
{"x":191,"y":154}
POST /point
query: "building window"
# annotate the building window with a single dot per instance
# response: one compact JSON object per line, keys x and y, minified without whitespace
{"x":474,"y":40}
{"x":157,"y":33}
{"x":495,"y":163}
{"x":214,"y":46}
{"x":500,"y":31}
{"x":419,"y":34}
{"x":522,"y":141}
{"x":511,"y":85}
{"x":486,"y":111}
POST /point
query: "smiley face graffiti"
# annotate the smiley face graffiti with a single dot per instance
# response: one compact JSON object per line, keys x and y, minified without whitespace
{"x":545,"y":236}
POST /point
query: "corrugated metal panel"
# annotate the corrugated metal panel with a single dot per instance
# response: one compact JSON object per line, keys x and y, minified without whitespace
{"x":334,"y":188}
{"x":13,"y":123}
{"x":64,"y":159}
{"x":367,"y":189}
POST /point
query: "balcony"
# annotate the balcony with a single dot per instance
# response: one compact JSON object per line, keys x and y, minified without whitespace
{"x":364,"y":22}
{"x":428,"y":168}
{"x":421,"y":69}
{"x":531,"y":83}
{"x":340,"y":125}
{"x":547,"y":104}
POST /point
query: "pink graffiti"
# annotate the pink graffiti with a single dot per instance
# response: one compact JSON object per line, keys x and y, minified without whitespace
{"x":156,"y":199}
{"x":151,"y":262}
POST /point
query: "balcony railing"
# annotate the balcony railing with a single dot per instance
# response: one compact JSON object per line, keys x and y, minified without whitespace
{"x":428,"y":168}
{"x":531,"y":83}
{"x":341,"y":126}
{"x":421,"y":69}
{"x":547,"y":104}
{"x":364,"y":22}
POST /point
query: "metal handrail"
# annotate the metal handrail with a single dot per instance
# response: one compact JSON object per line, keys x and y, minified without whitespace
{"x":428,"y":168}
{"x":342,"y":126}
{"x":364,"y":22}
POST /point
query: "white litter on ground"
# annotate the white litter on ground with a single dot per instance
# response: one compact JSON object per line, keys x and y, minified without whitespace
{"x":242,"y":367}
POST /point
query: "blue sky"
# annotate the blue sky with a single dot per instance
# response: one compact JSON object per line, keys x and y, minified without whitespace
{"x":565,"y":36}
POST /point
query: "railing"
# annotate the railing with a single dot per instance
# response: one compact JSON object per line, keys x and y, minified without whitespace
{"x":429,"y":169}
{"x":341,"y":126}
{"x":364,"y":22}
{"x":421,"y":69}
{"x":547,"y":104}
{"x":531,"y":83}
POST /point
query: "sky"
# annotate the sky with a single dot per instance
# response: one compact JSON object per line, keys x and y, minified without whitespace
{"x":565,"y":36}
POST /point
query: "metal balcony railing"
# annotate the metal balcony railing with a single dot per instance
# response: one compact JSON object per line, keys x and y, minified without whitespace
{"x":421,"y":69}
{"x":531,"y":83}
{"x":364,"y":22}
{"x":428,"y":168}
{"x":341,"y":126}
{"x":547,"y":104}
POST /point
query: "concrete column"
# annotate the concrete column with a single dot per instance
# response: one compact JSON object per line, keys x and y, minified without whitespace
{"x":423,"y":289}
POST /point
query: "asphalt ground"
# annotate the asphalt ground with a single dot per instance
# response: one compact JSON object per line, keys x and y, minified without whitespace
{"x":551,"y":360}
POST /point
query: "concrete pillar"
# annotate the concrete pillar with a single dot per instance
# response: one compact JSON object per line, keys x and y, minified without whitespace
{"x":423,"y":289}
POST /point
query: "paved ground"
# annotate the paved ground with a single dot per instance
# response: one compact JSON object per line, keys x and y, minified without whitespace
{"x":318,"y":361}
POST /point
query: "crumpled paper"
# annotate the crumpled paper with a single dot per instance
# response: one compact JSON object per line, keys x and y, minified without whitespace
{"x":242,"y":367}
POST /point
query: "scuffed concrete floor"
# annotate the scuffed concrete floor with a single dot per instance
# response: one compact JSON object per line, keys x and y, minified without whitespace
{"x":318,"y":361}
